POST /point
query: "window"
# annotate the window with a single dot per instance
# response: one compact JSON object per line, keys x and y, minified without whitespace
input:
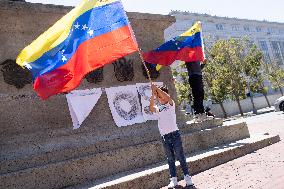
{"x":246,"y":28}
{"x":282,"y":48}
{"x":258,"y":29}
{"x":264,"y":49}
{"x":276,"y":49}
{"x":219,"y":27}
{"x":235,"y":28}
{"x":263,"y":45}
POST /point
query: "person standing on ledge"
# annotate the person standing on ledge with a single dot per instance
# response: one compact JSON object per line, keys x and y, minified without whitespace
{"x":194,"y":70}
{"x":169,"y":131}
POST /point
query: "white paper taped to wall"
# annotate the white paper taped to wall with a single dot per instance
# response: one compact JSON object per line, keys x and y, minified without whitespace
{"x":144,"y":89}
{"x":81,"y":103}
{"x":124,"y":105}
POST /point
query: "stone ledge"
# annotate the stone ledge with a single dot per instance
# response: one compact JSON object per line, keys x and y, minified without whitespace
{"x":156,"y":176}
{"x":190,"y":126}
{"x":88,"y":167}
{"x":35,"y":7}
{"x":51,"y":133}
{"x":52,"y":146}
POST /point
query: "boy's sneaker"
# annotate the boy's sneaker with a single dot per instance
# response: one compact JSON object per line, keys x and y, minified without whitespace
{"x":209,"y":117}
{"x":173,"y":182}
{"x":208,"y":113}
{"x":188,"y":180}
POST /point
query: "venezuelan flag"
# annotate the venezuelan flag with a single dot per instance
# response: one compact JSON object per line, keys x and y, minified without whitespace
{"x":94,"y":33}
{"x":186,"y":47}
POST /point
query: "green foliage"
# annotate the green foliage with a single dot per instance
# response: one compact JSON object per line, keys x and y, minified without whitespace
{"x":254,"y":70}
{"x":233,"y":66}
{"x":181,"y":83}
{"x":275,"y":75}
{"x":264,"y":90}
{"x":215,"y":79}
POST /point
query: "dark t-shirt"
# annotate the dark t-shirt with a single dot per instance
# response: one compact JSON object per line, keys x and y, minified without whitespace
{"x":193,"y":68}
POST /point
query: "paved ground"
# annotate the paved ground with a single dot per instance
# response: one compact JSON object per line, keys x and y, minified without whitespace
{"x":263,"y":169}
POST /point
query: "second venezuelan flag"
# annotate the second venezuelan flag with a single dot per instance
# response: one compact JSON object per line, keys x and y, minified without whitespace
{"x":186,"y":47}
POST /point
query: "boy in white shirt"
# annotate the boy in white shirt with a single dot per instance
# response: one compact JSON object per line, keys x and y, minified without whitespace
{"x":170,"y":133}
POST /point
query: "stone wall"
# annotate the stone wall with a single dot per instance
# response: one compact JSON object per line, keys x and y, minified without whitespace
{"x":21,"y":111}
{"x":232,"y":109}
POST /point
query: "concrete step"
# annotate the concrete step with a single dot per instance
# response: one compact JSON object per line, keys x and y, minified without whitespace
{"x":50,"y":134}
{"x":190,"y":126}
{"x":29,"y":173}
{"x":26,"y":155}
{"x":50,"y":122}
{"x":157,"y":176}
{"x":17,"y":154}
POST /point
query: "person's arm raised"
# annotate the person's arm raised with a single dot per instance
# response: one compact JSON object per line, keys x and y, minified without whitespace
{"x":152,"y":100}
{"x":164,"y":95}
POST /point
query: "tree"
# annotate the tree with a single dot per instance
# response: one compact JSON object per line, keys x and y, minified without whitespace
{"x":265,"y":92}
{"x":254,"y":73}
{"x":275,"y":75}
{"x":236,"y":66}
{"x":181,"y":83}
{"x":216,"y":81}
{"x":228,"y":57}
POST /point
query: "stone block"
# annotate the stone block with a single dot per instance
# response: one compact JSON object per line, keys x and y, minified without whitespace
{"x":92,"y":166}
{"x":156,"y":176}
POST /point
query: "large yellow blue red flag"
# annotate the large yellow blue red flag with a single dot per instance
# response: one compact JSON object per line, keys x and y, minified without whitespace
{"x":94,"y":33}
{"x":186,"y":47}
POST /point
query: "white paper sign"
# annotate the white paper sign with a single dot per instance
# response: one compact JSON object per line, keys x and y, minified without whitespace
{"x":124,"y":105}
{"x":81,"y":103}
{"x":144,"y":89}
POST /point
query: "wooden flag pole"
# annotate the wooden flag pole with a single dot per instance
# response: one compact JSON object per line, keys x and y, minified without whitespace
{"x":147,"y":70}
{"x":140,"y":54}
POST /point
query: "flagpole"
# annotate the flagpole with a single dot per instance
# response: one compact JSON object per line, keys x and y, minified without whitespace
{"x":139,"y":50}
{"x":143,"y":62}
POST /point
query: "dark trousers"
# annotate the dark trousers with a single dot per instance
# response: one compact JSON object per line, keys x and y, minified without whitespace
{"x":173,"y":149}
{"x":196,"y":84}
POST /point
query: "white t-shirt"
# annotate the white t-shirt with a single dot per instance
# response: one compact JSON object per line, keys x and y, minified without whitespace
{"x":166,"y":118}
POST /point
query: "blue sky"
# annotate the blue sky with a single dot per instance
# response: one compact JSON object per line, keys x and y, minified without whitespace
{"x":272,"y":10}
